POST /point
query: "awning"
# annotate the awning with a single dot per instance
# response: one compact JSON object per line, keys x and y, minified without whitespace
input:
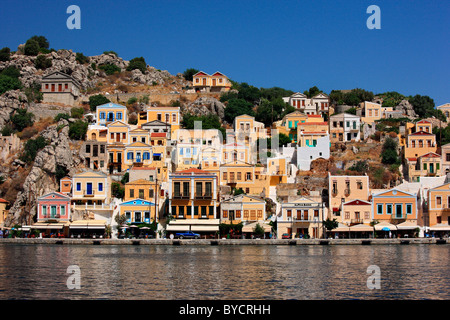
{"x":205,"y":228}
{"x":361,"y":228}
{"x":341,"y":228}
{"x":157,"y":154}
{"x":251,"y":226}
{"x":88,"y":224}
{"x":45,"y":226}
{"x":407,"y":225}
{"x":177,"y":228}
{"x":440,"y":227}
{"x":385,"y":226}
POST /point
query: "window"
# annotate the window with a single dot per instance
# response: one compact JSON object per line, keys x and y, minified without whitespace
{"x":289,"y":213}
{"x":438,"y":201}
{"x":408,"y":208}
{"x":259,"y":213}
{"x":174,"y":118}
{"x":44,"y":210}
{"x":388,"y":208}
{"x":141,"y":193}
{"x":347,"y":215}
{"x":131,"y":193}
{"x":151,"y":193}
{"x":100,"y":186}
{"x":78,"y":186}
{"x":379,"y":209}
{"x":119,"y":115}
{"x":225,"y":213}
{"x":128,"y":215}
{"x":224,"y":176}
{"x":359,"y":185}
{"x":211,"y":210}
{"x":238,"y":214}
{"x":88,"y":148}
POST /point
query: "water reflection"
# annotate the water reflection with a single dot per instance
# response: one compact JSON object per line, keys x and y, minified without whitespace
{"x":224,"y":272}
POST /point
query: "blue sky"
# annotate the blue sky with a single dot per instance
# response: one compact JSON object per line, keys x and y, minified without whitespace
{"x":289,"y":44}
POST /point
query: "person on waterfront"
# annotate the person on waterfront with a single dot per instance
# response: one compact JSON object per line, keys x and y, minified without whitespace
{"x":1,"y":233}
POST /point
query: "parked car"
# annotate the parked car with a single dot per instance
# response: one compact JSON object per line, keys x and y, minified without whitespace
{"x":285,"y":236}
{"x":187,"y":234}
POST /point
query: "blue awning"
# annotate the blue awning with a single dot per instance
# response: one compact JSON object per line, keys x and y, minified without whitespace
{"x":157,"y":154}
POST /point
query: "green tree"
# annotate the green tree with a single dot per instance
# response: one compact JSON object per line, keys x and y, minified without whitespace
{"x":189,"y":73}
{"x":237,"y":107}
{"x":258,"y":230}
{"x":41,"y":41}
{"x":31,"y":48}
{"x":77,"y":112}
{"x":271,"y":111}
{"x":389,"y":153}
{"x":109,"y":68}
{"x":22,"y":119}
{"x":423,"y":105}
{"x":32,"y":147}
{"x":81,"y":58}
{"x":60,"y":116}
{"x":137,"y":63}
{"x":330,"y":224}
{"x":7,"y":83}
{"x":5,"y":54}
{"x":78,"y":129}
{"x":42,"y":62}
{"x":117,"y":190}
{"x":97,"y":100}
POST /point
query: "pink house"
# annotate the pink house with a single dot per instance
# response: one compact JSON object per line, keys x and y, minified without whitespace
{"x":53,"y":206}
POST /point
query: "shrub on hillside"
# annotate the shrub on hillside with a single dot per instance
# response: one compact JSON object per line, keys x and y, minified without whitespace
{"x":5,"y":54}
{"x":137,"y":63}
{"x":109,"y":68}
{"x":22,"y":119}
{"x":77,"y":130}
{"x":42,"y":62}
{"x":32,"y":147}
{"x":97,"y":100}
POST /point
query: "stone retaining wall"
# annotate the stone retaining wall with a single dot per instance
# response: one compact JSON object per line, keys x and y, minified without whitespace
{"x":69,"y":241}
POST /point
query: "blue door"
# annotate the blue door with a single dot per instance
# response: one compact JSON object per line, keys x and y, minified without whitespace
{"x":138,"y":157}
{"x":89,"y":188}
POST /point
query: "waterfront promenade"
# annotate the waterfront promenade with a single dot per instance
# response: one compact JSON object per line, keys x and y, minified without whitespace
{"x":277,"y":242}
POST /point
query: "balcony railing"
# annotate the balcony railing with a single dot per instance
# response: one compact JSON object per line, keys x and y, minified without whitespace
{"x":89,"y":194}
{"x":181,"y":196}
{"x":203,"y":196}
{"x":356,"y":221}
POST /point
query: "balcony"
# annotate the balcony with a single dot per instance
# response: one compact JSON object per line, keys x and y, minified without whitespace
{"x":356,"y":221}
{"x":88,"y":193}
{"x":347,"y":192}
{"x":203,"y":196}
{"x":181,"y":196}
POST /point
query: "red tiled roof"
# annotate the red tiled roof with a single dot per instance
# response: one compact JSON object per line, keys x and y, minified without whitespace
{"x":143,"y":168}
{"x":312,"y":123}
{"x":3,"y":201}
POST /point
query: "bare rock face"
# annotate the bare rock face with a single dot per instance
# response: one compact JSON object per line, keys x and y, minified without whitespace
{"x":41,"y":179}
{"x":205,"y":106}
{"x":151,"y":76}
{"x":406,"y":108}
{"x":9,"y":102}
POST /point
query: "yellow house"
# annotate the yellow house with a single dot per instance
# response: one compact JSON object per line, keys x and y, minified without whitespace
{"x":110,"y":112}
{"x":142,"y":189}
{"x":276,"y":170}
{"x":301,"y":218}
{"x":235,"y":152}
{"x":371,"y":111}
{"x":247,"y":130}
{"x":427,"y":165}
{"x":356,"y":212}
{"x":242,"y":208}
{"x":439,"y":207}
{"x":139,"y":135}
{"x":193,"y":194}
{"x":420,"y":143}
{"x":138,"y":153}
{"x":343,"y":189}
{"x":169,"y":115}
{"x":309,"y":138}
{"x":211,"y":160}
{"x":138,"y":211}
{"x":97,"y":133}
{"x":251,"y":178}
{"x":117,"y":139}
{"x":217,"y":82}
{"x":3,"y":211}
{"x":394,"y":206}
{"x":445,"y":108}
{"x":288,"y":125}
{"x":91,"y":188}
